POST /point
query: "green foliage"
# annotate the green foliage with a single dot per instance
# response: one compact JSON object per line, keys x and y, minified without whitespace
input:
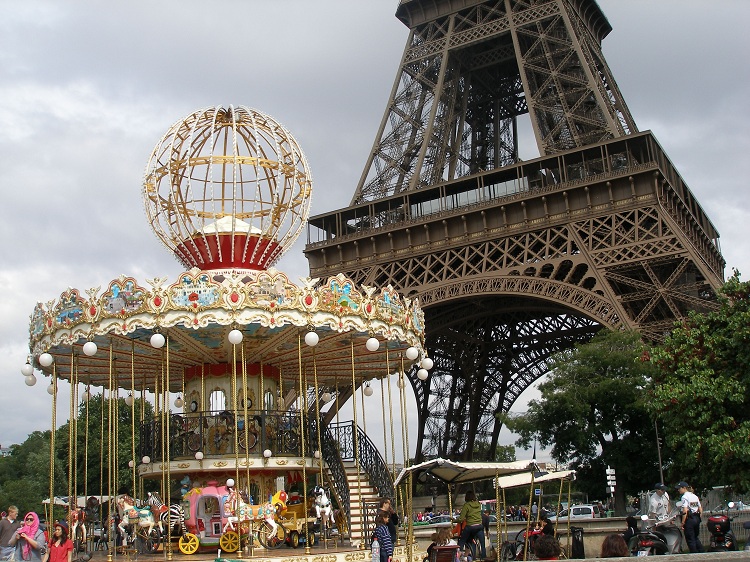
{"x":703,"y":390}
{"x":592,"y":413}
{"x":24,"y":475}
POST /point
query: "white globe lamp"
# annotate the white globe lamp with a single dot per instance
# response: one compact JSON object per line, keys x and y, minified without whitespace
{"x":372,"y":344}
{"x":90,"y":348}
{"x":158,"y":340}
{"x":412,"y":353}
{"x":312,"y":339}
{"x":427,"y":363}
{"x":45,"y":359}
{"x":422,"y":374}
{"x":235,"y":337}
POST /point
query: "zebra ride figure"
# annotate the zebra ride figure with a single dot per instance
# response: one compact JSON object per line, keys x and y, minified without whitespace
{"x":168,"y":519}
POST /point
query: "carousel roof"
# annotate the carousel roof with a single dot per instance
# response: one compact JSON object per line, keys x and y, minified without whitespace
{"x":198,"y":310}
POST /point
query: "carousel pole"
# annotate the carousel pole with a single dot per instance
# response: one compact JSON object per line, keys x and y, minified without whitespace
{"x":245,"y":426}
{"x":393,"y":431}
{"x":87,"y":397}
{"x":319,"y":453}
{"x":528,"y":519}
{"x":101,"y":469}
{"x":405,"y":439}
{"x":382,"y":406}
{"x":52,"y":446}
{"x":303,"y":399}
{"x":132,"y":417}
{"x":109,"y":458}
{"x":236,"y":444}
{"x":317,"y":413}
{"x":497,"y":515}
{"x":168,"y":423}
{"x":71,"y":432}
{"x":355,"y":427}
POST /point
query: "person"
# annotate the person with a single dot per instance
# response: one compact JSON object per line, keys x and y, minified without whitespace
{"x":60,"y":548}
{"x":486,"y":523}
{"x":471,"y":516}
{"x":444,"y":537}
{"x":546,"y":547}
{"x":547,"y":527}
{"x":632,"y":530}
{"x":383,"y":535}
{"x":691,"y":511}
{"x":660,"y":510}
{"x":385,"y":508}
{"x":614,"y":545}
{"x":29,"y":539}
{"x":8,"y":527}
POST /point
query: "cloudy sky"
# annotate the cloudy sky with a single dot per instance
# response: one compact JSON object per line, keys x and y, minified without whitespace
{"x":88,"y":88}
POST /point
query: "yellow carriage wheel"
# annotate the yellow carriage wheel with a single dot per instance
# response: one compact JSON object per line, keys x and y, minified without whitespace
{"x":230,"y":541}
{"x":189,"y":543}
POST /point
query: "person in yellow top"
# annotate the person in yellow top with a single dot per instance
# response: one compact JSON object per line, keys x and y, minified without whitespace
{"x":471,"y":515}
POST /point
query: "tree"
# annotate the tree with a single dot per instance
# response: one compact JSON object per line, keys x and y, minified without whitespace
{"x":24,"y":475}
{"x":702,"y":391}
{"x":592,"y":414}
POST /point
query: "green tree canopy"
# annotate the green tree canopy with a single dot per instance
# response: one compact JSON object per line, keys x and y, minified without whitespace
{"x":592,"y":414}
{"x":703,"y":391}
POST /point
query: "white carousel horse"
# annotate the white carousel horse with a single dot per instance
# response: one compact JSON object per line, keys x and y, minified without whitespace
{"x":323,"y":507}
{"x":237,"y":511}
{"x":168,"y":517}
{"x":132,"y":515}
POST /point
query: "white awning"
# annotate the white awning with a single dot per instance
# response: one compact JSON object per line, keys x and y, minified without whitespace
{"x":459,"y":472}
{"x":524,"y":479}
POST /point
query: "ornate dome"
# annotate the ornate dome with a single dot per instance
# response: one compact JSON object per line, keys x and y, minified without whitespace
{"x":227,"y":188}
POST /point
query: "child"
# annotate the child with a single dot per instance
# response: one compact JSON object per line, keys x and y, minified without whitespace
{"x":383,"y":535}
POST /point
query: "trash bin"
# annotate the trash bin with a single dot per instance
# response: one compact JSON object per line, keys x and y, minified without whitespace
{"x":576,"y":543}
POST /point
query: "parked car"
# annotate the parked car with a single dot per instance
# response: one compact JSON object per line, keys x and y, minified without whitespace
{"x":436,"y":522}
{"x":585,"y":511}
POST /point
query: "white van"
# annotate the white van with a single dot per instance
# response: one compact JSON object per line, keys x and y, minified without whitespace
{"x":585,"y":511}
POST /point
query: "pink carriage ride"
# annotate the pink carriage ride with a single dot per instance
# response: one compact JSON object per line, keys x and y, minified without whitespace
{"x":220,"y":516}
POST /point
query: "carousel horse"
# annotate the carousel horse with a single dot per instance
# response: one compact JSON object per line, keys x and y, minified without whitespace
{"x":76,"y":519}
{"x":132,"y":515}
{"x":174,"y":514}
{"x":238,"y":511}
{"x":323,"y":507}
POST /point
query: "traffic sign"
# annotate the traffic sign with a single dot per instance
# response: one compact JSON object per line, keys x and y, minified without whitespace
{"x":611,"y":489}
{"x":611,"y":477}
{"x":609,"y":471}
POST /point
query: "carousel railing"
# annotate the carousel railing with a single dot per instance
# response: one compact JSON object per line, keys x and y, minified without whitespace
{"x":218,"y":433}
{"x":370,"y":459}
{"x":337,"y":473}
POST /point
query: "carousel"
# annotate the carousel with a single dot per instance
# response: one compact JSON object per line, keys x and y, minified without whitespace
{"x":245,"y":372}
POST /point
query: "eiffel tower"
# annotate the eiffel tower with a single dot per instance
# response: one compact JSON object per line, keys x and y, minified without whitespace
{"x":514,"y":260}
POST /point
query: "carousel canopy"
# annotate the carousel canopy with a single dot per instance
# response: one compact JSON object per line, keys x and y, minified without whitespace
{"x":461,"y":472}
{"x":197,"y":312}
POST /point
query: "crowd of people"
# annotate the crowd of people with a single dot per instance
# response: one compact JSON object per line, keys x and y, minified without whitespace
{"x":27,"y":540}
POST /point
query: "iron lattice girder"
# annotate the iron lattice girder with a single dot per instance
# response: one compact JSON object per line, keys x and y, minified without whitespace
{"x":603,"y":237}
{"x":503,"y":59}
{"x":488,"y":352}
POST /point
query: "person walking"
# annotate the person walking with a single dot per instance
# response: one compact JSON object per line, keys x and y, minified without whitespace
{"x":8,"y":527}
{"x":691,"y":509}
{"x":29,"y":540}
